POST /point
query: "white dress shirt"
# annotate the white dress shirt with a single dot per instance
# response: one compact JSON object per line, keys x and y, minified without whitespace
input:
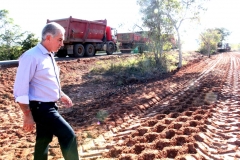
{"x":37,"y":77}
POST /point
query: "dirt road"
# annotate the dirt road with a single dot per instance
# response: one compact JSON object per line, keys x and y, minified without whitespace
{"x":190,"y":114}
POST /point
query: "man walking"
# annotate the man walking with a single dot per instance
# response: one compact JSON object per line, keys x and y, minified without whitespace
{"x":37,"y":88}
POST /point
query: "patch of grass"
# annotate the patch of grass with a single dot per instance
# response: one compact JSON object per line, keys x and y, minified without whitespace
{"x":101,"y":115}
{"x":98,"y":69}
{"x":101,"y":66}
{"x":141,"y":66}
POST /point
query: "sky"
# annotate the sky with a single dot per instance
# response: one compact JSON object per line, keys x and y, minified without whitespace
{"x":32,"y":15}
{"x":220,"y":14}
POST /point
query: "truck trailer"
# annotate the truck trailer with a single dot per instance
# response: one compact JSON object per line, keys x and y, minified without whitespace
{"x":130,"y":41}
{"x":85,"y":38}
{"x":133,"y":41}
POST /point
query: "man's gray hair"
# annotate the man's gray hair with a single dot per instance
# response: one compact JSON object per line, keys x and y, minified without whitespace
{"x":53,"y":29}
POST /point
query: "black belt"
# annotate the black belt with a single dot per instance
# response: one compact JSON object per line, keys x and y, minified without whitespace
{"x":38,"y":102}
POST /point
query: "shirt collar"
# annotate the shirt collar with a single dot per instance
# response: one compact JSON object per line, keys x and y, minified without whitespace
{"x":43,"y":49}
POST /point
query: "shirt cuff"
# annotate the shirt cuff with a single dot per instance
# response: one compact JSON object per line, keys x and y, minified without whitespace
{"x":22,"y":99}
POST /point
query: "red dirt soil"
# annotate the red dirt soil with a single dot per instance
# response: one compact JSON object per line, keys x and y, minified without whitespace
{"x":192,"y":113}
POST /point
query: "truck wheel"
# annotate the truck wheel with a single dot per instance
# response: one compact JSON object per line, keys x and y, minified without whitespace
{"x":110,"y":48}
{"x":61,"y":53}
{"x":78,"y":50}
{"x":89,"y":50}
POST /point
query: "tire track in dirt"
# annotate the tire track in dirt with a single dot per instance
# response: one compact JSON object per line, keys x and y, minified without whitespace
{"x":131,"y":123}
{"x":173,"y":123}
{"x":224,"y":125}
{"x":189,"y":128}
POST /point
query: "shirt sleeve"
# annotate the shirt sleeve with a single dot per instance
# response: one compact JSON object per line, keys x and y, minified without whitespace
{"x":25,"y":72}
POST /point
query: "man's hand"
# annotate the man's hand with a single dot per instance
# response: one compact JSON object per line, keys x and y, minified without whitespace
{"x":28,"y":122}
{"x":66,"y":100}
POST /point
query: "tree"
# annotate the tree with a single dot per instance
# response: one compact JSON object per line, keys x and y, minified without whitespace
{"x":179,"y":11}
{"x":209,"y":40}
{"x":158,"y":24}
{"x":9,"y":32}
{"x":3,"y":18}
{"x":170,"y":14}
{"x":12,"y":40}
{"x":29,"y":42}
{"x":10,"y":36}
{"x":223,"y":32}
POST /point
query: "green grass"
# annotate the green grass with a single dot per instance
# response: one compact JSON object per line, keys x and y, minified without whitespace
{"x":141,"y":66}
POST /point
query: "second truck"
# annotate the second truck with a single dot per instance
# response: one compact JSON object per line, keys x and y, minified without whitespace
{"x":132,"y":41}
{"x":85,"y":38}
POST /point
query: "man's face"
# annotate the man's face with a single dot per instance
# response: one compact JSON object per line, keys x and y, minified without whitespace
{"x":57,"y":42}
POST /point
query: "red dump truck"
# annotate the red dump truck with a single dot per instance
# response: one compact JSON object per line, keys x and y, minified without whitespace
{"x":85,"y":38}
{"x":131,"y":41}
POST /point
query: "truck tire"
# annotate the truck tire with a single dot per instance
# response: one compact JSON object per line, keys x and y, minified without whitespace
{"x":78,"y":50}
{"x":110,"y":48}
{"x":61,"y":53}
{"x":89,"y":50}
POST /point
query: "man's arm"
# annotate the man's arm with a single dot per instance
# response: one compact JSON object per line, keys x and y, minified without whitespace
{"x":28,"y":122}
{"x":25,"y":72}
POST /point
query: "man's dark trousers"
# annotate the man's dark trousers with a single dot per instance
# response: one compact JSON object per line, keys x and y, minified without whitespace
{"x":48,"y":123}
